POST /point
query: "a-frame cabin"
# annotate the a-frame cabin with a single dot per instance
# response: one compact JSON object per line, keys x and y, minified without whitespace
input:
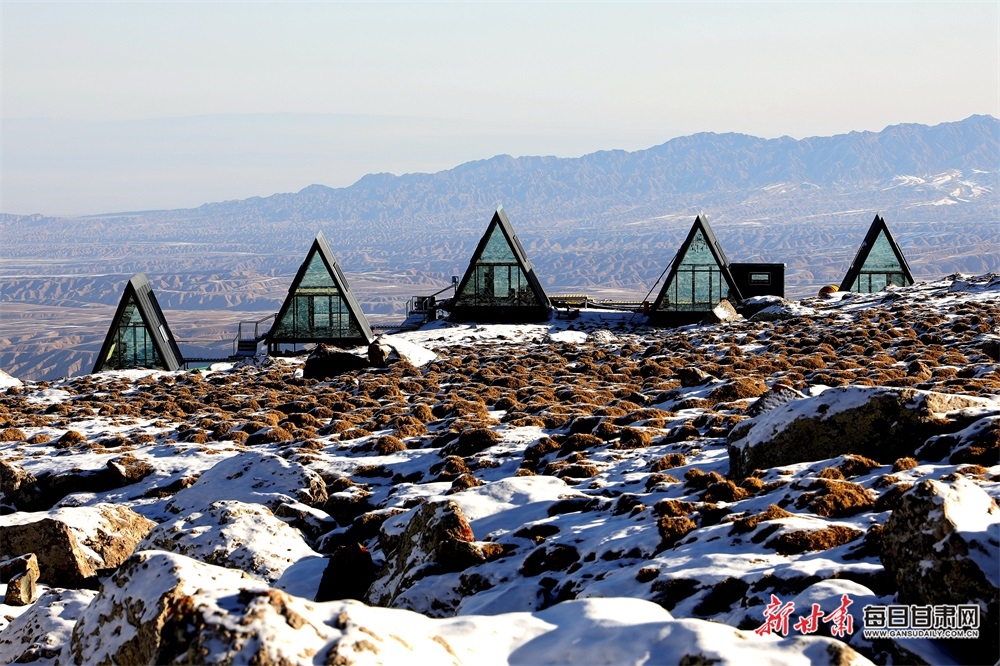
{"x":500,"y":284}
{"x":697,"y":279}
{"x":878,"y":264}
{"x":139,"y":336}
{"x":320,"y":306}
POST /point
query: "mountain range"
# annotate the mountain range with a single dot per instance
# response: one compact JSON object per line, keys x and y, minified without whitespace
{"x":606,"y":224}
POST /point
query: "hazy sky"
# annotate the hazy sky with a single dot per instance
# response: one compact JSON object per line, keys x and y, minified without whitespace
{"x":138,"y":105}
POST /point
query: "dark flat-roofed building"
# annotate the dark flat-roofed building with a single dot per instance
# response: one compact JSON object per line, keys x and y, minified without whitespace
{"x":757,"y":279}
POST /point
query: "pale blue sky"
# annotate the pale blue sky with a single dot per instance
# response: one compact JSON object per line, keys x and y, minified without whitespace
{"x":138,"y":105}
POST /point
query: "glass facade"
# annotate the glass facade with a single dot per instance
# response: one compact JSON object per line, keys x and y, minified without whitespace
{"x":131,"y":345}
{"x":880,"y":269}
{"x":698,"y":283}
{"x":497,"y":279}
{"x":317,"y":309}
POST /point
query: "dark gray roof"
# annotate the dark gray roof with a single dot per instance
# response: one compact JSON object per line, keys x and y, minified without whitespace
{"x":140,"y":291}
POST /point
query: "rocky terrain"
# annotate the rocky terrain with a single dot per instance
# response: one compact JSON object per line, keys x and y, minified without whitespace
{"x":605,"y":224}
{"x":587,"y":490}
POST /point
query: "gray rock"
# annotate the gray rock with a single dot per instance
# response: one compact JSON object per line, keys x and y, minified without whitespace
{"x":777,"y":396}
{"x":325,"y":362}
{"x":942,"y":546}
{"x":235,"y":535}
{"x":437,"y":539}
{"x":73,"y":544}
{"x":265,"y":479}
{"x":388,"y":349}
{"x":722,"y":312}
{"x":146,"y":613}
{"x":41,"y":633}
{"x":29,"y":492}
{"x":878,"y":422}
{"x":21,"y":576}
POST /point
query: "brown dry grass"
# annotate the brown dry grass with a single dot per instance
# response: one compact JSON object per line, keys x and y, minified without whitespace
{"x":793,"y":543}
{"x":854,"y":465}
{"x":673,"y":529}
{"x":724,"y":491}
{"x":668,"y":461}
{"x":70,"y":438}
{"x":12,"y":435}
{"x":633,"y":438}
{"x":387,"y":444}
{"x":673,"y":508}
{"x":699,"y":480}
{"x":840,"y":499}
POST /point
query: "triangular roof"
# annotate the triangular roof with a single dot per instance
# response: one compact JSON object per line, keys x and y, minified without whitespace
{"x":700,"y":229}
{"x":887,"y":260}
{"x":139,"y":336}
{"x":319,"y":277}
{"x":508,"y":252}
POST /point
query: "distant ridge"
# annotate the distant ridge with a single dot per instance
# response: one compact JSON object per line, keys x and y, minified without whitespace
{"x":703,"y":169}
{"x":605,"y":224}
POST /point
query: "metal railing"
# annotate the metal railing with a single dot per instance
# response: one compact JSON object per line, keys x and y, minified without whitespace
{"x":243,"y":344}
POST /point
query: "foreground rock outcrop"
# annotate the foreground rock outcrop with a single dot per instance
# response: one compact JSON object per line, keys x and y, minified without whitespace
{"x":532,"y":493}
{"x":74,"y":544}
{"x":437,"y":539}
{"x":253,"y":477}
{"x":236,"y":535}
{"x":190,"y":612}
{"x":942,"y":546}
{"x":43,"y":633}
{"x":878,"y":422}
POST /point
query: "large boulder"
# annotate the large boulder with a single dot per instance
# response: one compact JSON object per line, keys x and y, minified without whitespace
{"x":878,"y":422}
{"x":942,"y":546}
{"x":140,"y":615}
{"x":722,"y":312}
{"x":21,"y":576}
{"x":15,"y":481}
{"x":388,"y":348}
{"x":164,"y":608}
{"x":30,"y":492}
{"x":74,"y":544}
{"x":349,"y":573}
{"x":253,"y":477}
{"x":604,"y":631}
{"x":6,"y":381}
{"x":325,"y":362}
{"x":39,"y":634}
{"x":438,"y":539}
{"x":979,"y":444}
{"x":235,"y":535}
{"x":748,"y":307}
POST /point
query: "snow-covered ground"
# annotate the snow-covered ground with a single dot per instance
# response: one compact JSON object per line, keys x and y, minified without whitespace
{"x":547,"y":493}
